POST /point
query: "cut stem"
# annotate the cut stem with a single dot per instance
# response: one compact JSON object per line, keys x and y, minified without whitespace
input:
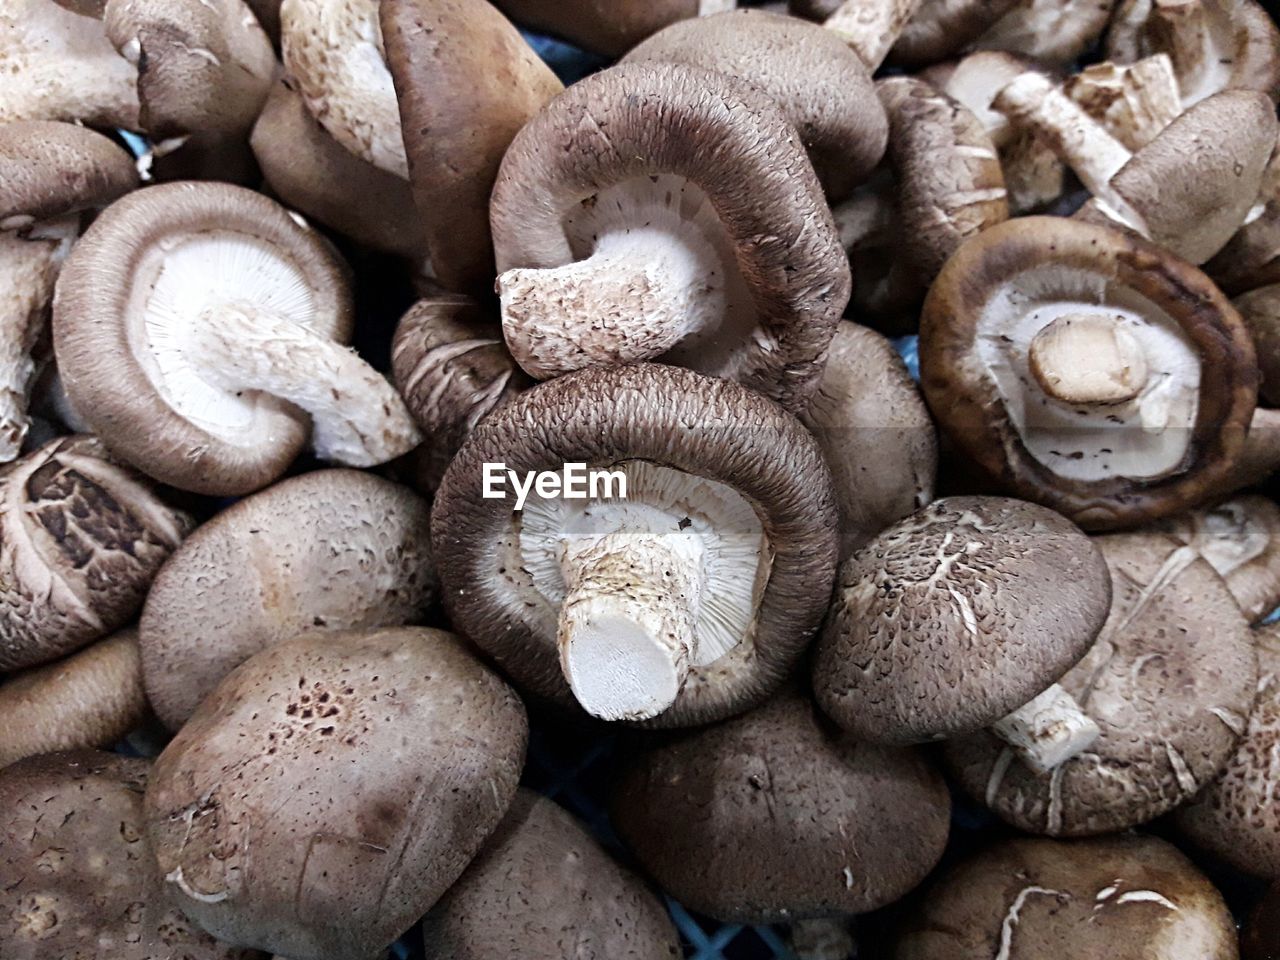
{"x":871,"y":27}
{"x":1048,"y":731}
{"x":1088,"y":359}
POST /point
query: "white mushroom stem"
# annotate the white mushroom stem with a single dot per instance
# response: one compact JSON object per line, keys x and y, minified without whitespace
{"x":1048,"y":731}
{"x":1135,"y":102}
{"x":639,"y":294}
{"x":1087,"y":359}
{"x":871,"y":27}
{"x":822,"y":939}
{"x":357,"y":417}
{"x":707,"y":8}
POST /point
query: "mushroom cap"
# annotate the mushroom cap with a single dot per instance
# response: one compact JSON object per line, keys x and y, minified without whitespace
{"x":939,"y":28}
{"x":90,"y":699}
{"x":775,"y":816}
{"x":822,"y":86}
{"x":1251,"y":258}
{"x":1129,"y":897}
{"x":1260,"y":309}
{"x":721,"y":140}
{"x":49,"y":169}
{"x":369,"y":768}
{"x":187,"y":244}
{"x":1261,"y":938}
{"x":1170,"y":682}
{"x":331,"y":550}
{"x":539,"y":882}
{"x":672,"y":418}
{"x":77,"y":868}
{"x":610,"y":27}
{"x":80,"y":540}
{"x":1053,"y":31}
{"x":1023,"y":271}
{"x":458,"y":115}
{"x":956,"y":616}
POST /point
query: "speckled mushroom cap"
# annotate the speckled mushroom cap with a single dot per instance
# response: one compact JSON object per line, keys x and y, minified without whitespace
{"x":333,"y":550}
{"x":77,"y":867}
{"x":1170,"y":682}
{"x":956,"y":616}
{"x":745,"y":479}
{"x":711,"y":170}
{"x":1170,"y":439}
{"x":1236,"y":818}
{"x":539,"y":883}
{"x":332,"y":788}
{"x":80,"y":539}
{"x":822,"y":86}
{"x":1261,"y":937}
{"x":775,"y":816}
{"x":611,"y":27}
{"x":1129,"y":897}
{"x":50,"y":169}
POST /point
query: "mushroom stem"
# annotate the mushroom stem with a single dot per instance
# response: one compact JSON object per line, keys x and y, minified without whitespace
{"x":1088,"y":358}
{"x":357,"y":417}
{"x":822,"y":939}
{"x":871,"y":27}
{"x":561,"y":319}
{"x":1047,"y":731}
{"x":707,"y":8}
{"x":1134,"y":101}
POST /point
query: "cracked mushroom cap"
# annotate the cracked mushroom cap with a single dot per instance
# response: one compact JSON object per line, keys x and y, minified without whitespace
{"x":1087,"y":370}
{"x":50,"y":169}
{"x":77,"y":867}
{"x":610,"y":27}
{"x":1128,"y":897}
{"x":539,"y":883}
{"x":690,"y":599}
{"x":369,"y":767}
{"x":332,"y":550}
{"x":822,"y":86}
{"x":677,"y":194}
{"x":774,"y":816}
{"x":955,"y":617}
{"x":80,"y":539}
{"x":1169,"y":682}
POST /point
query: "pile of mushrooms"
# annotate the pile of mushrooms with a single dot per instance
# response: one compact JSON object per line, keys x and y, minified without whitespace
{"x":629,"y":480}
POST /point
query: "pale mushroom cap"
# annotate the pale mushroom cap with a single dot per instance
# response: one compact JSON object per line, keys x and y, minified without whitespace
{"x":611,"y":27}
{"x":369,"y":768}
{"x":50,"y":169}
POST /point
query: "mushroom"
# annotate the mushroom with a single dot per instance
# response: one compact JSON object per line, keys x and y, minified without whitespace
{"x":939,"y":28}
{"x":1260,"y":309}
{"x":197,"y":327}
{"x":332,"y":550}
{"x":964,"y":616}
{"x":1251,"y":258}
{"x":657,"y":209}
{"x":1052,"y":31}
{"x":458,"y":115}
{"x":451,"y":366}
{"x":1261,"y":939}
{"x":82,"y":537}
{"x":1235,"y":817}
{"x":1125,"y":897}
{"x":1169,"y":682}
{"x":610,"y":28}
{"x":1134,"y":102}
{"x":872,"y":27}
{"x":821,"y":85}
{"x":332,"y":788}
{"x":875,"y":432}
{"x":1087,"y":370}
{"x":683,"y":596}
{"x":539,"y":883}
{"x":78,"y":880}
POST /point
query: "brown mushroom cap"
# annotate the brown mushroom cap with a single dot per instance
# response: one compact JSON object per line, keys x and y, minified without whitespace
{"x":458,"y":113}
{"x":1251,"y":258}
{"x":82,"y":539}
{"x":540,"y":882}
{"x":332,"y":550}
{"x":1260,"y":309}
{"x":1015,"y":281}
{"x":50,"y":169}
{"x":939,"y":28}
{"x":749,"y":461}
{"x":611,"y":27}
{"x":822,"y":86}
{"x":774,"y":816}
{"x":78,"y":877}
{"x":368,"y":769}
{"x":1125,"y":897}
{"x":1170,"y":682}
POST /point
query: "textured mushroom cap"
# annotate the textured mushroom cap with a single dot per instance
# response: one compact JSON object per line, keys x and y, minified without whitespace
{"x":1170,"y":682}
{"x":49,"y":169}
{"x":611,"y":27}
{"x":1127,"y":898}
{"x":449,"y":362}
{"x":80,"y":539}
{"x":332,"y":788}
{"x":670,"y":417}
{"x":1261,"y":938}
{"x":1260,"y":309}
{"x":939,"y":28}
{"x":105,"y":357}
{"x":79,"y":879}
{"x":821,"y":85}
{"x":333,"y":550}
{"x":774,"y":816}
{"x":90,"y":699}
{"x":540,"y":886}
{"x":956,"y":616}
{"x":966,"y":398}
{"x":732,"y":144}
{"x":466,"y":82}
